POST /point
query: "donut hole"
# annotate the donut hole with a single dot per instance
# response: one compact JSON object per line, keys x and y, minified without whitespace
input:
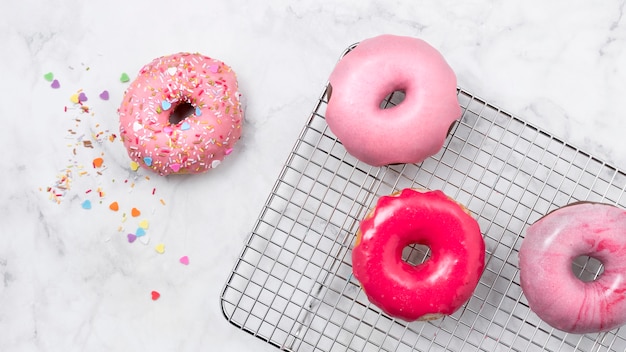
{"x":587,"y":268}
{"x":415,"y":254}
{"x":392,"y":99}
{"x":180,"y":112}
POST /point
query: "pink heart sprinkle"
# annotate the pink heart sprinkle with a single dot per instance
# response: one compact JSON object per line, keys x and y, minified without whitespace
{"x":104,"y":95}
{"x":82,"y":97}
{"x":228,"y":151}
{"x":175,"y":167}
{"x":131,"y":238}
{"x":214,"y":68}
{"x":167,"y":130}
{"x":184,"y":260}
{"x":55,"y":84}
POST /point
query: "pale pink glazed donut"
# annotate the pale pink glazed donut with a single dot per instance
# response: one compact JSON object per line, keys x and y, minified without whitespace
{"x":182,"y":114}
{"x":554,"y":293}
{"x":407,"y":133}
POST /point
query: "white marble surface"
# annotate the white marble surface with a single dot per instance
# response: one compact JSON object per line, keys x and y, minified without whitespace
{"x":69,"y":279}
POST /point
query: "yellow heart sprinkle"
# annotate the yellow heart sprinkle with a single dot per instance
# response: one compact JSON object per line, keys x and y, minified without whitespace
{"x":134,"y":166}
{"x":74,"y":98}
{"x":143,"y":224}
{"x":160,"y":248}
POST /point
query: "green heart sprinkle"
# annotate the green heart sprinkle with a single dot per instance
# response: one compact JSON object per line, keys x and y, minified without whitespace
{"x":124,"y":78}
{"x":48,"y":76}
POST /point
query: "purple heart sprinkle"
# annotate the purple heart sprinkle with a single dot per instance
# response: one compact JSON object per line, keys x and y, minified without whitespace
{"x":55,"y":84}
{"x":131,"y":238}
{"x":82,"y":97}
{"x":104,"y":95}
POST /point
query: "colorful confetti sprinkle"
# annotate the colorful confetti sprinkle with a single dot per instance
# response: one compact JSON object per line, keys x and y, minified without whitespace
{"x":144,"y":224}
{"x":160,"y":248}
{"x":124,"y":77}
{"x":97,"y":163}
{"x":114,"y":206}
{"x":184,"y":260}
{"x":74,"y":98}
{"x":155,"y":295}
{"x":140,"y":232}
{"x":82,"y":97}
{"x":48,"y":76}
{"x":55,"y":84}
{"x":134,"y":166}
{"x":104,"y":95}
{"x":131,"y":237}
{"x":86,"y":204}
{"x":134,"y":212}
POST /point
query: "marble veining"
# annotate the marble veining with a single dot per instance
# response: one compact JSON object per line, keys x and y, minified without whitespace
{"x":69,"y":278}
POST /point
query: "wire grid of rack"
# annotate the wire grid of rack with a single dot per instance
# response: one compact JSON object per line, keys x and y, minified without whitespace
{"x":292,"y":285}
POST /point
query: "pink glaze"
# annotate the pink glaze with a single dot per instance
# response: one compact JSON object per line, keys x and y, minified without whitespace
{"x":545,"y":258}
{"x":409,"y":132}
{"x":198,"y":142}
{"x":441,"y":284}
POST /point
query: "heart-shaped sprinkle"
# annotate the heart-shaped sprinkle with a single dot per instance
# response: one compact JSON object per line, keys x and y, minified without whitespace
{"x":168,"y":130}
{"x":97,"y":162}
{"x":82,"y":97}
{"x":48,"y":76}
{"x":135,"y":212}
{"x":228,"y":151}
{"x":184,"y":260}
{"x":144,"y":224}
{"x":134,"y":166}
{"x":145,"y":240}
{"x":160,"y":248}
{"x":213,"y":68}
{"x":131,"y":237}
{"x":185,"y":126}
{"x":86,"y":204}
{"x":171,"y":71}
{"x":148,"y":161}
{"x":198,"y":111}
{"x":155,"y":295}
{"x":114,"y":206}
{"x":55,"y":84}
{"x":104,"y":95}
{"x":140,"y":232}
{"x":215,"y":163}
{"x":74,"y":98}
{"x":124,"y":77}
{"x":137,"y":126}
{"x":175,"y":167}
{"x":166,"y":105}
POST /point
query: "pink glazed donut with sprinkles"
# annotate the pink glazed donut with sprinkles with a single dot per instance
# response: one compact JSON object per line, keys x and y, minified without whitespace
{"x":182,"y":114}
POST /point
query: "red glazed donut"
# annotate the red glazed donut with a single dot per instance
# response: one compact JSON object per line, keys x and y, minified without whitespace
{"x":441,"y":284}
{"x":545,"y":258}
{"x":407,"y":133}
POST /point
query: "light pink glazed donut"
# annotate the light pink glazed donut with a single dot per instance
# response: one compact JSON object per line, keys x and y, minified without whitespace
{"x":407,"y":133}
{"x":554,"y":293}
{"x":182,"y":114}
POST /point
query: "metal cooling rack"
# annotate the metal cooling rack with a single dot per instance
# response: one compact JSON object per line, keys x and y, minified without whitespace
{"x":293,"y":286}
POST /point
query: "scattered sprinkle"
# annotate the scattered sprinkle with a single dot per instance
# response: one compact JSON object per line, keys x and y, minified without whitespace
{"x":104,"y":95}
{"x":55,"y":84}
{"x":214,"y":68}
{"x":134,"y":212}
{"x":160,"y":248}
{"x":228,"y":151}
{"x":184,"y":260}
{"x":124,"y":77}
{"x":97,"y":162}
{"x":171,"y":71}
{"x":198,"y":111}
{"x":49,"y":76}
{"x":86,"y":204}
{"x":175,"y":167}
{"x":147,"y":160}
{"x":74,"y":98}
{"x":215,"y":163}
{"x":144,"y":224}
{"x":140,"y":232}
{"x":131,"y":237}
{"x":166,"y":105}
{"x":155,"y":295}
{"x":82,"y":97}
{"x":134,"y":166}
{"x":185,"y":126}
{"x":114,"y":206}
{"x":162,"y":201}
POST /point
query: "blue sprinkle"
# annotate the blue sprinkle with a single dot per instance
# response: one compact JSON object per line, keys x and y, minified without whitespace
{"x":140,"y":232}
{"x":86,"y":204}
{"x":198,"y":111}
{"x":148,"y":161}
{"x":166,"y":105}
{"x":185,"y":126}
